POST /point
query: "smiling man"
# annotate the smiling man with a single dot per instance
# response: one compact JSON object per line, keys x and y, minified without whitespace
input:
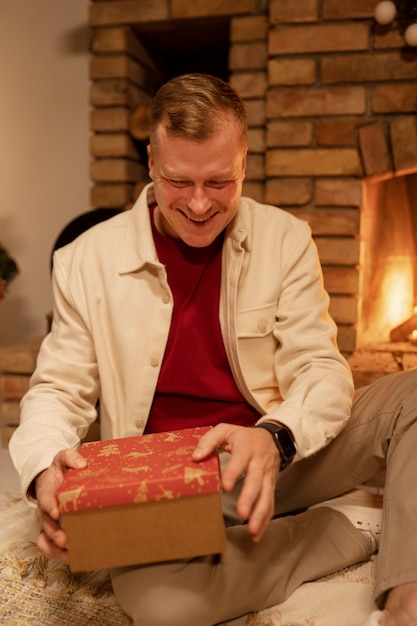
{"x":198,"y":168}
{"x":197,"y":185}
{"x":202,"y":307}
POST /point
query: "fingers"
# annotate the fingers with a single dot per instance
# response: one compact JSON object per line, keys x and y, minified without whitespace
{"x":51,"y":529}
{"x":69,"y":458}
{"x":47,"y":482}
{"x":47,"y":547}
{"x":257,"y":500}
{"x":52,"y":540}
{"x":254,"y":455}
{"x":225,"y":436}
{"x":208,"y":443}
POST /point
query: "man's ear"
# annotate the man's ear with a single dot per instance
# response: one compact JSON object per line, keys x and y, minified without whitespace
{"x":150,"y":159}
{"x":244,"y":163}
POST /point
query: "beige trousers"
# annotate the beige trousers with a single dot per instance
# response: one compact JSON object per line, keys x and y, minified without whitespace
{"x":381,"y":435}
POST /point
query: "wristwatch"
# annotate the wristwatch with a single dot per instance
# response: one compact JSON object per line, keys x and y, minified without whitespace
{"x":283,"y":440}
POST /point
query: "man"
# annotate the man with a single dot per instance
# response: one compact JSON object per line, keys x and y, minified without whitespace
{"x":202,"y":307}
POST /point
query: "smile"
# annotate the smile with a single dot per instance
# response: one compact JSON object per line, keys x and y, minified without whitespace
{"x":198,"y":220}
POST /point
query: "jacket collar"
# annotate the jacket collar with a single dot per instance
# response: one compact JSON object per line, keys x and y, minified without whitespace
{"x":139,"y":248}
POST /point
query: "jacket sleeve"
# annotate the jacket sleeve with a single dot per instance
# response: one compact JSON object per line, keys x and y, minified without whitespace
{"x":315,"y":380}
{"x":60,"y":403}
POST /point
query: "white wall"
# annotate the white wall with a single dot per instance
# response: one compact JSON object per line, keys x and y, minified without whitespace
{"x":44,"y":151}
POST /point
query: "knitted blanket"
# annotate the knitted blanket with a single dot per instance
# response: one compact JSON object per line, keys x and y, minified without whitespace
{"x":37,"y":591}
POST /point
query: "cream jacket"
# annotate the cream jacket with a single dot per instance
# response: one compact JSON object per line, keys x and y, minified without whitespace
{"x":111,"y":321}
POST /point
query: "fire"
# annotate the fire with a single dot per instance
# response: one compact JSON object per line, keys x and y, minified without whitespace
{"x":397,"y":292}
{"x":387,"y":294}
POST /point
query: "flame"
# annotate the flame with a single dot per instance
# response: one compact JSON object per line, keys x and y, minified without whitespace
{"x":392,"y":302}
{"x":397,"y":293}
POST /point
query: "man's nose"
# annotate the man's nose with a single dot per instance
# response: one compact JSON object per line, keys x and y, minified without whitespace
{"x":199,"y":203}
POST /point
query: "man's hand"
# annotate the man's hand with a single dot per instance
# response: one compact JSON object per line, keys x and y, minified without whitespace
{"x":52,"y":539}
{"x":254,"y":454}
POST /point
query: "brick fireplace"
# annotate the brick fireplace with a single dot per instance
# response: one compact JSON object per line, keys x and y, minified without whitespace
{"x":331,"y":99}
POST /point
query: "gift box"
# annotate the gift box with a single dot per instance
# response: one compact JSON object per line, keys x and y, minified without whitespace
{"x":142,"y":500}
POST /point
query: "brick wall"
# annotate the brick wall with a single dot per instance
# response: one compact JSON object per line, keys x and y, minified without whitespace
{"x":331,"y":99}
{"x":17,"y":364}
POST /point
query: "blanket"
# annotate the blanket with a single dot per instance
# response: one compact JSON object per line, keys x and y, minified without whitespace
{"x":35,"y":590}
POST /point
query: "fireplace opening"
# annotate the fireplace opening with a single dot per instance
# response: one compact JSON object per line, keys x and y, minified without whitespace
{"x":188,"y":45}
{"x":388,"y":236}
{"x":176,"y":47}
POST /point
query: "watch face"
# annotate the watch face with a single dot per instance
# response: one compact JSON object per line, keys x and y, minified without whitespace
{"x":287,"y":444}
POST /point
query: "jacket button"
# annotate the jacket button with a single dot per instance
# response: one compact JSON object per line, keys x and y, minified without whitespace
{"x":140,"y":424}
{"x":154,"y":361}
{"x":262,"y":327}
{"x":165,"y":298}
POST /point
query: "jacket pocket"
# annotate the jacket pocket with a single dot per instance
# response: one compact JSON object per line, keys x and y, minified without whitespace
{"x":257,"y":322}
{"x":257,"y":347}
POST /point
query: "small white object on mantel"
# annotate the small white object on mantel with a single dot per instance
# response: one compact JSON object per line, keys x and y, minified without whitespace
{"x":410,"y":34}
{"x":385,"y":12}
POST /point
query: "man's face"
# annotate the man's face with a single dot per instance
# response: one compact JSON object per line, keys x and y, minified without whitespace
{"x":197,"y":184}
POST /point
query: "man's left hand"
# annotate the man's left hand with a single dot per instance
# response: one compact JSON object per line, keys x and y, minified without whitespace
{"x":254,"y":454}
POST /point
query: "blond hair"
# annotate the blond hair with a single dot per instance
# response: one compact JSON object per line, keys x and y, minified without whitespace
{"x":194,"y":106}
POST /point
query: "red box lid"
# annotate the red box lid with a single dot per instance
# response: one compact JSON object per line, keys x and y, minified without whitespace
{"x":139,"y":469}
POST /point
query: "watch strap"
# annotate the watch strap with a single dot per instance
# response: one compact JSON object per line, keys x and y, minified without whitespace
{"x":283,"y":440}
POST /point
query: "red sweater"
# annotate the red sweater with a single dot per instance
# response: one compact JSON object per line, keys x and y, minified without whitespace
{"x":195,"y":385}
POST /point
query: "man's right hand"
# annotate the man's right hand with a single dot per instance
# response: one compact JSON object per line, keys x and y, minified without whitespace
{"x":52,"y":539}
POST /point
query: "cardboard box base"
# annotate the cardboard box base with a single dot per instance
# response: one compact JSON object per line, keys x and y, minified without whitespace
{"x":145,"y":533}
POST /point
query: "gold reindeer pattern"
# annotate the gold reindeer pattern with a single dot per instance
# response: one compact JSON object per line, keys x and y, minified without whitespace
{"x":139,"y":469}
